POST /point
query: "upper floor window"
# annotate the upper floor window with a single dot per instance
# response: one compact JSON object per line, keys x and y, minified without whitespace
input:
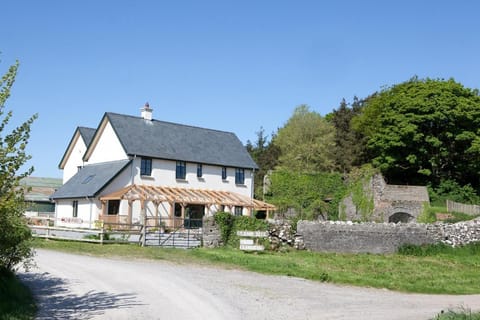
{"x":224,"y":173}
{"x":181,"y":171}
{"x":199,"y":170}
{"x":75,"y":208}
{"x":146,"y":167}
{"x":239,"y":176}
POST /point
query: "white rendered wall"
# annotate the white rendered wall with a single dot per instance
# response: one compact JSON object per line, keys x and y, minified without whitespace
{"x":163,"y":174}
{"x":74,"y":159}
{"x":88,"y":212}
{"x":108,"y":147}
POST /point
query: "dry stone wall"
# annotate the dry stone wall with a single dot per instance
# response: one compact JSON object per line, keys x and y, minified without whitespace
{"x":348,"y":237}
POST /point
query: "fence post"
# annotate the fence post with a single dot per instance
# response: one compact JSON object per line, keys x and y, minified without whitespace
{"x":102,"y":230}
{"x":144,"y":233}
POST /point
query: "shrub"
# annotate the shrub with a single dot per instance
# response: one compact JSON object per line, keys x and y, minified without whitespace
{"x":229,"y":225}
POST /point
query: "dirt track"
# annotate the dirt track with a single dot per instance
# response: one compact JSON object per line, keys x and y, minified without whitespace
{"x":82,"y":287}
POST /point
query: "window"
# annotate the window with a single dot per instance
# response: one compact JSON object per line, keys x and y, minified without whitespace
{"x":238,"y":211}
{"x":178,"y":210}
{"x":224,"y":173}
{"x":146,"y":167}
{"x":181,"y":170}
{"x":199,"y":170}
{"x":113,"y":207}
{"x":88,"y":179}
{"x":75,"y":208}
{"x":239,"y":176}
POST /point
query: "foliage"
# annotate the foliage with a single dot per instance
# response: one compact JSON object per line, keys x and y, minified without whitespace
{"x":16,"y":300}
{"x":266,"y":155}
{"x":440,"y":249}
{"x":230,"y":224}
{"x":461,"y":314}
{"x":452,"y":273}
{"x":349,"y":144}
{"x":312,"y":195}
{"x":15,"y":236}
{"x":424,"y":130}
{"x":451,"y":190}
{"x":429,"y":215}
{"x":306,"y":142}
{"x":357,"y":186}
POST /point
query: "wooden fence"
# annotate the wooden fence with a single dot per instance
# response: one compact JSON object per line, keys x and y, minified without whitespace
{"x":470,"y":209}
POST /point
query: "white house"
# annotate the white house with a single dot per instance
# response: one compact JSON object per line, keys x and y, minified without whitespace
{"x":135,"y":167}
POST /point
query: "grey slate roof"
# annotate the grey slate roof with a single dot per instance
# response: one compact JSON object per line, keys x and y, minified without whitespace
{"x":166,"y":140}
{"x":90,"y":180}
{"x":87,"y":134}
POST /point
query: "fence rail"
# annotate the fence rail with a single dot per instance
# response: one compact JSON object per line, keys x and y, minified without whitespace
{"x":470,"y":209}
{"x":184,"y":233}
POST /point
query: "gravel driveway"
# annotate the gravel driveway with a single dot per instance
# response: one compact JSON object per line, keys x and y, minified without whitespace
{"x":71,"y":286}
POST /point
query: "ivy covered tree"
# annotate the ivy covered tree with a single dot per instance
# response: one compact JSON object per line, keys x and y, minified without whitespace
{"x":15,"y":235}
{"x":424,"y":131}
{"x":306,"y":142}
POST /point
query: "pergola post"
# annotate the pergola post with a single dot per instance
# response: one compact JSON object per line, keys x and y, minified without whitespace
{"x":129,"y":214}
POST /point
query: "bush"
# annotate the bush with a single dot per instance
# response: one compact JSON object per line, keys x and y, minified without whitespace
{"x":451,"y":190}
{"x":16,"y":301}
{"x":230,"y":224}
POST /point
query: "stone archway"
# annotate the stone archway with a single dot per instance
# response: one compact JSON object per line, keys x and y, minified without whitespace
{"x":401,"y":216}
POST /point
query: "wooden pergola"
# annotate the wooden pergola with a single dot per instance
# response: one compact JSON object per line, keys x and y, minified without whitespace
{"x":184,"y":197}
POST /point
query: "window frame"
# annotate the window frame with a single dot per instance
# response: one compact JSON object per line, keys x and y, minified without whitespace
{"x":240,"y":176}
{"x":109,"y":206}
{"x":146,"y":166}
{"x":238,"y":211}
{"x":199,"y":170}
{"x":224,"y":173}
{"x":181,"y":170}
{"x":75,"y":208}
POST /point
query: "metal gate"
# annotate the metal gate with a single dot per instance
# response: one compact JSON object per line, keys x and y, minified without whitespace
{"x":172,"y":232}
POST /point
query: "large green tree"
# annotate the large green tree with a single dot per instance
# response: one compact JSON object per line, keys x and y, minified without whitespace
{"x":424,"y":131}
{"x":306,"y":142}
{"x":15,"y":235}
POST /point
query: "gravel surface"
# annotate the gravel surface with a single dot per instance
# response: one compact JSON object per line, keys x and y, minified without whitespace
{"x":70,"y":286}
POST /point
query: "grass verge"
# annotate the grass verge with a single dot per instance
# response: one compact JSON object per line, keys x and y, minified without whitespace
{"x":438,"y":271}
{"x":16,"y":301}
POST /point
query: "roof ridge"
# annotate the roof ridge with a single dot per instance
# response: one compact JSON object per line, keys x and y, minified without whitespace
{"x":170,"y":122}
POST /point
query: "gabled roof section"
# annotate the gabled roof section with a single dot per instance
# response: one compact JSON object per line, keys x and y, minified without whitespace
{"x":90,"y":180}
{"x":81,"y":132}
{"x":87,"y":134}
{"x":166,"y":140}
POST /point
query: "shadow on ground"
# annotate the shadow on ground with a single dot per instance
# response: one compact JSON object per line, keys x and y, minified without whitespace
{"x":55,"y":301}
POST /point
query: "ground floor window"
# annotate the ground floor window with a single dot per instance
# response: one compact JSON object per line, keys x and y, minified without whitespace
{"x":75,"y":208}
{"x":113,"y":207}
{"x":238,"y":211}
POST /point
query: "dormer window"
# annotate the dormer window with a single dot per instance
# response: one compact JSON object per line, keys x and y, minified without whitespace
{"x":146,"y":167}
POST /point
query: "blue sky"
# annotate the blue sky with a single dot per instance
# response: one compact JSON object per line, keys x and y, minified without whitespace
{"x":227,"y":65}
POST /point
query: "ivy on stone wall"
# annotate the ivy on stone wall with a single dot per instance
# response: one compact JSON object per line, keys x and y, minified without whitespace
{"x":359,"y":187}
{"x":230,"y":224}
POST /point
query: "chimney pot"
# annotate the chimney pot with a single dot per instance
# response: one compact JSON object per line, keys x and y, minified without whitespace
{"x":146,"y":112}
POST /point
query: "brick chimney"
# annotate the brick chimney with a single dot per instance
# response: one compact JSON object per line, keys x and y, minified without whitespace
{"x":146,"y":112}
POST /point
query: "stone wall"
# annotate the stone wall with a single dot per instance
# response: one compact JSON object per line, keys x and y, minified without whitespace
{"x":211,"y":235}
{"x":351,"y":237}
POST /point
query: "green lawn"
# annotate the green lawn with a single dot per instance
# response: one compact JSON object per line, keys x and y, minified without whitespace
{"x":440,"y":271}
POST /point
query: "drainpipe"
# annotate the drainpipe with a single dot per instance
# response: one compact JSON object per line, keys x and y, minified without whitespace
{"x":132,"y":176}
{"x":91,"y":209}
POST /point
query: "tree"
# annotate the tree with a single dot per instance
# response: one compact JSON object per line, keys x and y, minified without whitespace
{"x":306,"y":142}
{"x":265,"y":154}
{"x":424,"y":131}
{"x":15,"y":235}
{"x":349,"y":144}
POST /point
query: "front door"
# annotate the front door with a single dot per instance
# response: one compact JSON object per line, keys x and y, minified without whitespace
{"x":193,"y":216}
